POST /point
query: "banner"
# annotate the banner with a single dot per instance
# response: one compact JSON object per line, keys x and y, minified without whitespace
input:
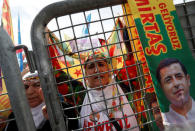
{"x":7,"y":19}
{"x":169,"y":59}
{"x":137,"y":47}
{"x":7,"y":25}
{"x":116,"y":45}
{"x":139,"y":57}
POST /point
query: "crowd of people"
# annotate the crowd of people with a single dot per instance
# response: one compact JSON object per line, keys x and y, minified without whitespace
{"x":105,"y":105}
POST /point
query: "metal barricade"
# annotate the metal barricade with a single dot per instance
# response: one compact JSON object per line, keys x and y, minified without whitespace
{"x":44,"y":59}
{"x":186,"y":15}
{"x":55,"y":13}
{"x":14,"y":85}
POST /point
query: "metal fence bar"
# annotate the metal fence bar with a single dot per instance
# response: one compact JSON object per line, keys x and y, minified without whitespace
{"x":186,"y":15}
{"x":40,"y":49}
{"x":14,"y":84}
{"x":41,"y":54}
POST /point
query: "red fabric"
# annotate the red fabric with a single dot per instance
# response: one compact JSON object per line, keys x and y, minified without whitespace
{"x":132,"y":71}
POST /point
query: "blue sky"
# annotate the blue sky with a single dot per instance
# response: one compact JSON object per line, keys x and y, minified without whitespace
{"x":28,"y":9}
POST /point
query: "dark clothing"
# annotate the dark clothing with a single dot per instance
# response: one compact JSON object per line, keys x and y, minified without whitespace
{"x":45,"y":125}
{"x":70,"y":116}
{"x":12,"y":126}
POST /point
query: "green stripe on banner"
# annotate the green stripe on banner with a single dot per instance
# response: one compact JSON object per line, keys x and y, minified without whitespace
{"x":184,"y":54}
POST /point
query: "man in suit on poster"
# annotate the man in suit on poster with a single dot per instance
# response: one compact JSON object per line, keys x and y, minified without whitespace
{"x":175,"y":82}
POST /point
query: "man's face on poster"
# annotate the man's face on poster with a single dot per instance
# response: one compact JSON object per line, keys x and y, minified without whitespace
{"x":175,"y":84}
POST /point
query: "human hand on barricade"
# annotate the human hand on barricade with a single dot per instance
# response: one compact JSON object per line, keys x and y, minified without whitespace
{"x":44,"y":108}
{"x":45,"y":114}
{"x":26,"y":70}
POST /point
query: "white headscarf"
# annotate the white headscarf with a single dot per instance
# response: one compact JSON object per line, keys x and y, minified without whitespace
{"x":30,"y":75}
{"x":36,"y":111}
{"x":99,"y":106}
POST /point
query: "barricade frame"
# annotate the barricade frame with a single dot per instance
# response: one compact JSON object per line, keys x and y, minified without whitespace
{"x":41,"y":53}
{"x":14,"y":83}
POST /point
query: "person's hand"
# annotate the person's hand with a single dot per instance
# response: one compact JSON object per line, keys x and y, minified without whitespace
{"x":45,"y":114}
{"x":44,"y":108}
{"x":26,"y":70}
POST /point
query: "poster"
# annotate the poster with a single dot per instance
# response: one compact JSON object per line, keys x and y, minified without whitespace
{"x":165,"y":48}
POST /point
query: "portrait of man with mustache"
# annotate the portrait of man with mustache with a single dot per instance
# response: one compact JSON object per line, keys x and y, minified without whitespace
{"x":175,"y":82}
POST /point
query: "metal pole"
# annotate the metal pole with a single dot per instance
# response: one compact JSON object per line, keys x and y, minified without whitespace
{"x":41,"y":53}
{"x":14,"y":84}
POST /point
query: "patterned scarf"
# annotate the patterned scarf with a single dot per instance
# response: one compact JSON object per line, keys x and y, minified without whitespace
{"x":100,"y":106}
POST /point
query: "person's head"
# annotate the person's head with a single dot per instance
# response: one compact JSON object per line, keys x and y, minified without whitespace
{"x":174,"y":80}
{"x":153,"y":103}
{"x":33,"y":89}
{"x":97,"y":69}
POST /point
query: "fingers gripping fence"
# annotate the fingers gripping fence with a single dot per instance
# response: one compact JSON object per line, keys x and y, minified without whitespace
{"x":92,"y":80}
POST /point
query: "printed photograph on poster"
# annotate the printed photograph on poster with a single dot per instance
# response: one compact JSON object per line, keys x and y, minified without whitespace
{"x":175,"y":82}
{"x":170,"y":60}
